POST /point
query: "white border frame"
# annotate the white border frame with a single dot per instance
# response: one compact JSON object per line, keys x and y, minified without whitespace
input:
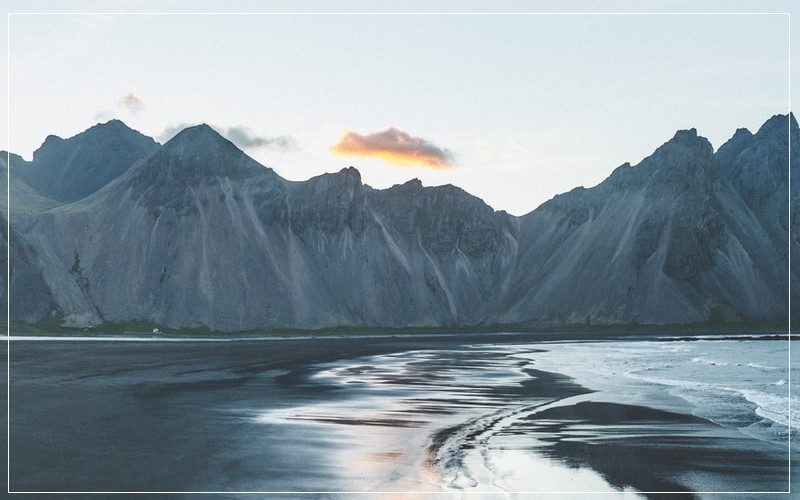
{"x":8,"y":248}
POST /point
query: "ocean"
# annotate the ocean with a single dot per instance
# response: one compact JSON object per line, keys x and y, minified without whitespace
{"x":476,"y":416}
{"x":525,"y":417}
{"x":739,"y":383}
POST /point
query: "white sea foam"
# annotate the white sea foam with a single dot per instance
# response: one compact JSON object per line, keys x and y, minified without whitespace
{"x":709,"y":362}
{"x":775,"y":408}
{"x":729,"y":381}
{"x":762,"y":367}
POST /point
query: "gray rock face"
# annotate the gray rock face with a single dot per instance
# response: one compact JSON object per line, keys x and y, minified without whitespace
{"x":67,"y":170}
{"x":671,"y":240}
{"x":758,"y":168}
{"x":31,"y":299}
{"x":199,"y":234}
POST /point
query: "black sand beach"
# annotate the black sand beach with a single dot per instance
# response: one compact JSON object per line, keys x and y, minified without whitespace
{"x":94,"y":416}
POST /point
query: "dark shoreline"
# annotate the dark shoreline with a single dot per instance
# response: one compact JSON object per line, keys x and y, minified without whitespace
{"x":138,"y":328}
{"x":502,"y":337}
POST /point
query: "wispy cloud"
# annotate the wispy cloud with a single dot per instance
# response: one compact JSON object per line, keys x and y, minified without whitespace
{"x":131,"y":102}
{"x":243,"y":137}
{"x":172,"y":130}
{"x":394,"y":146}
{"x":246,"y":139}
{"x":103,"y":116}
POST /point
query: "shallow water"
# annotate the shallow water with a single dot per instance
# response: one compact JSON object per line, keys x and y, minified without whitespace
{"x":505,"y":419}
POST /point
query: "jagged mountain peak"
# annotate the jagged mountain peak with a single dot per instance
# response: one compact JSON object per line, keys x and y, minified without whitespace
{"x":777,"y":124}
{"x":686,"y":134}
{"x":346,"y":176}
{"x":412,"y":184}
{"x":111,"y":125}
{"x":771,"y":139}
{"x":689,"y":138}
{"x":70,"y":169}
{"x":51,"y":145}
{"x":687,"y":157}
{"x":201,"y":150}
{"x":347,"y":180}
{"x":199,"y":130}
{"x":110,"y":133}
{"x":198,"y":233}
{"x":195,"y":153}
{"x":685,"y":150}
{"x":742,"y":133}
{"x":351,"y":173}
{"x":197,"y":138}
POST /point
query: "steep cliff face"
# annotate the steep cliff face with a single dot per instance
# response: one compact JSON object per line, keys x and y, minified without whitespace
{"x":758,"y":168}
{"x":199,"y":234}
{"x":31,"y":299}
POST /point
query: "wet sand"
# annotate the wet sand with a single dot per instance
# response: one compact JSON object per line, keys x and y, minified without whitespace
{"x":283,"y":415}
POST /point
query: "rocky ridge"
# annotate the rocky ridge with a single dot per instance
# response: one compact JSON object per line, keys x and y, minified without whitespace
{"x":195,"y":233}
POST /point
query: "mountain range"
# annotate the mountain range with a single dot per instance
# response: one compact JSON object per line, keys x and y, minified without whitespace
{"x":109,"y":226}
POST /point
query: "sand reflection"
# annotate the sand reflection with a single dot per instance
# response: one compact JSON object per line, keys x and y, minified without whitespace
{"x":420,"y":422}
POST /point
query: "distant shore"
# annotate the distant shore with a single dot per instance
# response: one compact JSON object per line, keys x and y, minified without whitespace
{"x":148,"y":330}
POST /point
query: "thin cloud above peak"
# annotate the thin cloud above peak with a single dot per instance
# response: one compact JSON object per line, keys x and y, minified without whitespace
{"x":245,"y":138}
{"x":172,"y":130}
{"x":396,"y":147}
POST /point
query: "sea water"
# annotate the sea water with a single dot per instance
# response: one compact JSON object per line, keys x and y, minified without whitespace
{"x":737,"y":383}
{"x":456,"y":419}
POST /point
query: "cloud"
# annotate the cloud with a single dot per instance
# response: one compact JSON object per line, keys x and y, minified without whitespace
{"x":243,"y":137}
{"x":171,"y":131}
{"x":103,"y":116}
{"x":394,"y":146}
{"x":131,"y":102}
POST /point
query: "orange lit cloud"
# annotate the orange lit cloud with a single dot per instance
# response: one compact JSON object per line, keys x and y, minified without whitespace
{"x":131,"y":102}
{"x":394,"y":146}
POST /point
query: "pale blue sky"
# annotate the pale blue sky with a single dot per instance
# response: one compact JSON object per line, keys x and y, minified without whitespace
{"x":529,"y":105}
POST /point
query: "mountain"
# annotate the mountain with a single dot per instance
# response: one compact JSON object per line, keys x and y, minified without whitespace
{"x":201,"y":234}
{"x":196,"y":233}
{"x":67,"y":170}
{"x":756,"y":166}
{"x":671,"y":240}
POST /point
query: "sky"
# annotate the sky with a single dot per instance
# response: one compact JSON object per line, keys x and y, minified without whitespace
{"x":514,"y":106}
